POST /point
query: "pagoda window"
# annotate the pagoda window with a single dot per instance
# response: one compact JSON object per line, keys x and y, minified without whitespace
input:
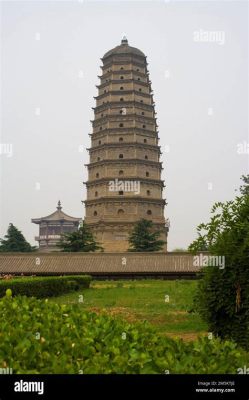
{"x":97,"y":175}
{"x":100,"y":128}
{"x":121,"y":125}
{"x":148,"y":192}
{"x":121,"y":172}
{"x":120,"y":211}
{"x":102,"y":115}
{"x":98,"y":158}
{"x":141,"y":101}
{"x":121,"y":139}
{"x":147,"y":174}
{"x":137,"y":69}
{"x":95,"y":213}
{"x":105,"y":91}
{"x":149,"y":212}
{"x":121,"y":99}
{"x":145,"y":140}
{"x":140,"y":90}
{"x":146,"y":157}
{"x":96,"y":194}
{"x":99,"y":141}
{"x":138,"y":79}
{"x":121,"y":88}
{"x":121,"y":156}
{"x":121,"y":67}
{"x":144,"y":126}
{"x":121,"y":77}
{"x":121,"y":192}
{"x":121,"y":111}
{"x":142,"y":113}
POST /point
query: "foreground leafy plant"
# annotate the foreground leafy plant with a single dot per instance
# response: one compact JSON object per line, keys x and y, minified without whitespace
{"x":37,"y":336}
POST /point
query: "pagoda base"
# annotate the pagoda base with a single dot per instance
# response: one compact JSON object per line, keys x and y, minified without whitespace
{"x":114,"y":237}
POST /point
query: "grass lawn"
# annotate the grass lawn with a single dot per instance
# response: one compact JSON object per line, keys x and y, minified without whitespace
{"x":165,"y":304}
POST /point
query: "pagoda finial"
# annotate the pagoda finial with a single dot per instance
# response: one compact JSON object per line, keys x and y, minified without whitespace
{"x":59,"y":206}
{"x":124,"y":40}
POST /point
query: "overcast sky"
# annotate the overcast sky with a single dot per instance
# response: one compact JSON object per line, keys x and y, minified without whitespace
{"x":50,"y":59}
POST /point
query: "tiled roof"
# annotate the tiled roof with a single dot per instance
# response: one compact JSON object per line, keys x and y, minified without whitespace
{"x":124,"y":48}
{"x":58,"y":215}
{"x":97,"y":263}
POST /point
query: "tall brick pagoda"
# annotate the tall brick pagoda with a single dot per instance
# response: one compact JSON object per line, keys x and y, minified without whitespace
{"x":124,"y":173}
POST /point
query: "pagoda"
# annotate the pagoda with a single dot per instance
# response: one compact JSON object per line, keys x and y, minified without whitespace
{"x":53,"y":226}
{"x":124,"y":171}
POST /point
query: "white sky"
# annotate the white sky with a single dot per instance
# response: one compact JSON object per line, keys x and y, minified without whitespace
{"x":50,"y":60}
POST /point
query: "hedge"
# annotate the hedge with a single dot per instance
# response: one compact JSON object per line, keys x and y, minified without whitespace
{"x":41,"y":336}
{"x":44,"y":286}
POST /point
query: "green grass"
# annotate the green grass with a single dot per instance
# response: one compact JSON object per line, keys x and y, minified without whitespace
{"x":144,"y":300}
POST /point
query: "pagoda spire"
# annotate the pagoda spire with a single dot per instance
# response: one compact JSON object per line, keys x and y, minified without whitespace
{"x":59,"y":208}
{"x":124,"y":40}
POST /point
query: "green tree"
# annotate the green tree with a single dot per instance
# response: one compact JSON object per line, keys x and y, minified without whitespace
{"x":244,"y":189}
{"x":144,"y":237}
{"x":15,"y":241}
{"x":223,"y":293}
{"x":80,"y":240}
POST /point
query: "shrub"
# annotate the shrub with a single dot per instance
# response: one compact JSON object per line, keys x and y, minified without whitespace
{"x":44,"y":286}
{"x":223,"y":293}
{"x":38,"y":336}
